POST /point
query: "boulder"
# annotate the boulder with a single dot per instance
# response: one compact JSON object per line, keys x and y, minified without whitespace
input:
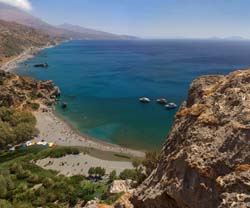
{"x":119,"y":186}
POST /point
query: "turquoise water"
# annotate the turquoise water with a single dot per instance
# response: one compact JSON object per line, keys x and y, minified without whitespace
{"x":102,"y":80}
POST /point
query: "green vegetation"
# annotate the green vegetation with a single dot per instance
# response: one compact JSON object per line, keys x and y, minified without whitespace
{"x":15,"y":127}
{"x":58,"y":152}
{"x":24,"y":184}
{"x":122,"y":156}
{"x":132,"y":174}
{"x":33,"y":106}
{"x":96,"y":172}
{"x":112,"y":176}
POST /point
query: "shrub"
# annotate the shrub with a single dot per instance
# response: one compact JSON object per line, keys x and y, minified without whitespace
{"x":5,"y":113}
{"x":34,"y":106}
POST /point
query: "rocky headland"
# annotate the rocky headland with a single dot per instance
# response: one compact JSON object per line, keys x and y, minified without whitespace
{"x":25,"y":93}
{"x":205,"y":161}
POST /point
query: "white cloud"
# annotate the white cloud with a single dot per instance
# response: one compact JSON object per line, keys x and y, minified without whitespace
{"x":22,"y":4}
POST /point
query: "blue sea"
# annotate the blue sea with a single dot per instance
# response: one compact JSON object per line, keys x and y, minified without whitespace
{"x":102,"y":81}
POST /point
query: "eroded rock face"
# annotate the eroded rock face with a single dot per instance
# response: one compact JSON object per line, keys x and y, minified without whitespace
{"x":21,"y":92}
{"x":119,"y":186}
{"x":205,"y":161}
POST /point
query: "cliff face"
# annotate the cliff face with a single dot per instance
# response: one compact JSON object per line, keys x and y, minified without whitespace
{"x":205,"y":161}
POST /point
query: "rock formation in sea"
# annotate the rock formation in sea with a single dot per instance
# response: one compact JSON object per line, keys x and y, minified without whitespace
{"x":205,"y":161}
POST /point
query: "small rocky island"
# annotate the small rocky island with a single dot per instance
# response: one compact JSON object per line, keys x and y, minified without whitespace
{"x":205,"y":161}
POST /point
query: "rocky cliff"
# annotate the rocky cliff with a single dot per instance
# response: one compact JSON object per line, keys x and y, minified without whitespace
{"x":205,"y":161}
{"x":25,"y":93}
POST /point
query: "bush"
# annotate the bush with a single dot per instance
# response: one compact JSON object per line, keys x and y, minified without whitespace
{"x":34,"y":106}
{"x":5,"y":114}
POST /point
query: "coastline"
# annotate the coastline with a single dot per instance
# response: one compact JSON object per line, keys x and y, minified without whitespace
{"x":55,"y":129}
{"x":25,"y":55}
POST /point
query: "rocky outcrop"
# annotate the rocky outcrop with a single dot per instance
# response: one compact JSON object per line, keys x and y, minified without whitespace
{"x":205,"y":161}
{"x":25,"y":93}
{"x":119,"y":186}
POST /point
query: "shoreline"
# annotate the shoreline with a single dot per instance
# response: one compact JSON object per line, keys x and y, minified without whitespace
{"x":27,"y":54}
{"x":55,"y":129}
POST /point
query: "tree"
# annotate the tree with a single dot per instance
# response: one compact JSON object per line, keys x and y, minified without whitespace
{"x":5,"y":113}
{"x":15,"y":126}
{"x":96,"y":172}
{"x":7,"y":135}
{"x":24,"y":131}
{"x":3,"y":187}
{"x":22,"y":117}
{"x":112,"y":176}
{"x":91,"y":171}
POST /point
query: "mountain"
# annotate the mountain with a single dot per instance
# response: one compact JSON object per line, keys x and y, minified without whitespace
{"x":16,"y":38}
{"x":205,"y":161}
{"x":13,"y":14}
{"x":97,"y":34}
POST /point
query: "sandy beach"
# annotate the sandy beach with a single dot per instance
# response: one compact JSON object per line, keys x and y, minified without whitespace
{"x":79,"y":164}
{"x":54,"y":129}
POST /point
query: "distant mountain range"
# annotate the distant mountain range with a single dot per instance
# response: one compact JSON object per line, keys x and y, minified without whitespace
{"x":16,"y":38}
{"x":96,"y":34}
{"x":13,"y":14}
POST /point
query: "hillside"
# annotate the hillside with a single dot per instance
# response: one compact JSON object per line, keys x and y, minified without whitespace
{"x":12,"y":14}
{"x":205,"y":161}
{"x":15,"y":38}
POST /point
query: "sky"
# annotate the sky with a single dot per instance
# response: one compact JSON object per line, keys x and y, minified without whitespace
{"x":148,"y":18}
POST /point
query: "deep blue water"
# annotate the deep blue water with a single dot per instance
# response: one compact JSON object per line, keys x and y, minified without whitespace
{"x":102,"y":81}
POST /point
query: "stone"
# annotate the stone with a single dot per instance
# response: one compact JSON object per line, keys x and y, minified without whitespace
{"x":119,"y":186}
